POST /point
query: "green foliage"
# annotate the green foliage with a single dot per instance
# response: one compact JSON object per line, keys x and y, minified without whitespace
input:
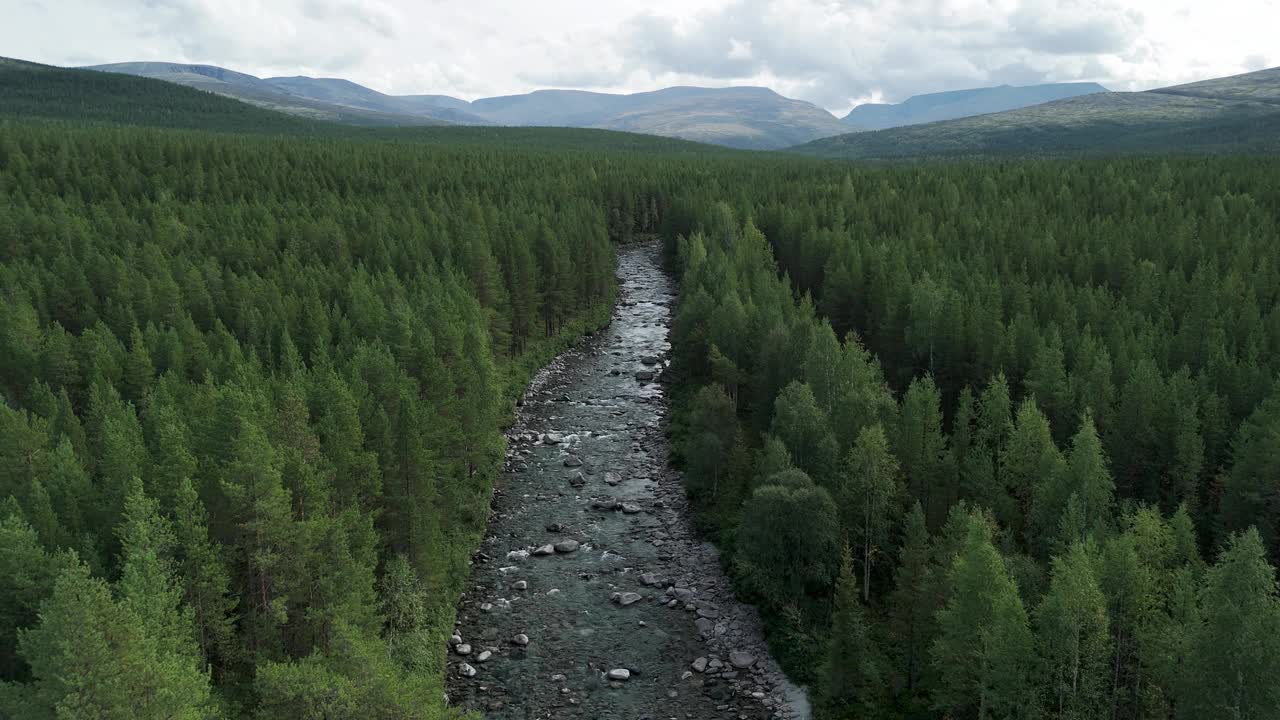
{"x":984,"y":650}
{"x":851,"y":679}
{"x":247,"y":380}
{"x":95,"y":656}
{"x":788,"y":544}
{"x":1072,"y":634}
{"x":1233,"y":652}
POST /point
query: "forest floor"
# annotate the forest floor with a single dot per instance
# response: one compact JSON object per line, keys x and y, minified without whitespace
{"x":593,"y":572}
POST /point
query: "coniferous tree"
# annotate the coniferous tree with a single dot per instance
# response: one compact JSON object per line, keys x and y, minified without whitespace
{"x":1234,"y":650}
{"x":852,"y":674}
{"x":1072,"y":634}
{"x":984,"y":650}
{"x":868,"y":496}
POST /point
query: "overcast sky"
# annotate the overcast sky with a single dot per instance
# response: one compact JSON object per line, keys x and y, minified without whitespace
{"x":835,"y":53}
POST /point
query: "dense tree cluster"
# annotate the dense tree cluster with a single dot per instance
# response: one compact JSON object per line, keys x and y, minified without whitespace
{"x":1033,"y":403}
{"x":1001,"y":442}
{"x":252,"y":393}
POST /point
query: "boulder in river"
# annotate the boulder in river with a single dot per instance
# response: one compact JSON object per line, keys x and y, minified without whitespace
{"x":652,"y":580}
{"x":552,"y":439}
{"x":649,"y":360}
{"x":466,"y":670}
{"x":484,"y":656}
{"x":645,"y":376}
{"x":630,"y":509}
{"x":520,"y":639}
{"x":547,"y":549}
{"x":462,"y":649}
{"x":700,"y":665}
{"x":741,"y":660}
{"x":626,"y":598}
{"x":520,"y":585}
{"x":612,"y":478}
{"x":567,"y":546}
{"x":573,"y":461}
{"x":620,"y":674}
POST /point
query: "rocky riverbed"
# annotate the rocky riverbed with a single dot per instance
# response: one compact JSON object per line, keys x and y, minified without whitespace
{"x":591,"y":595}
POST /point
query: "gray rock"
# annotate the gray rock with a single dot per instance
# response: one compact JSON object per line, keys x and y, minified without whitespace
{"x":521,"y":640}
{"x":547,"y":549}
{"x":455,"y":639}
{"x":700,"y":665}
{"x":466,"y":670}
{"x":567,"y":546}
{"x":704,"y":625}
{"x":621,"y":674}
{"x":645,"y":376}
{"x":612,"y":478}
{"x":520,"y":585}
{"x":708,"y":613}
{"x":484,"y":656}
{"x":742,"y":660}
{"x":649,"y":360}
{"x":626,"y":598}
{"x":552,"y":439}
{"x":578,"y":480}
{"x":462,"y":649}
{"x":573,"y":461}
{"x":630,"y":509}
{"x":558,"y":677}
{"x":652,"y":580}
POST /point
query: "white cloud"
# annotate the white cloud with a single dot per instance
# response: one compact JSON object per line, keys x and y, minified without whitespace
{"x":833,"y":52}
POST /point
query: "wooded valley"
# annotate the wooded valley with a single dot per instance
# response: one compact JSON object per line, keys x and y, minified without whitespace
{"x":982,"y":440}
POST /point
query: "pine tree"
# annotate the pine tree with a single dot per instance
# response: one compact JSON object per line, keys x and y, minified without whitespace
{"x":1234,"y":651}
{"x":912,"y":604}
{"x":868,"y":497}
{"x":204,"y":580}
{"x":1029,"y":459}
{"x":804,"y":428}
{"x":921,"y":448}
{"x":1085,"y":477}
{"x":712,"y":432}
{"x":851,"y":684}
{"x":984,"y":650}
{"x":94,"y":657}
{"x":1072,"y":633}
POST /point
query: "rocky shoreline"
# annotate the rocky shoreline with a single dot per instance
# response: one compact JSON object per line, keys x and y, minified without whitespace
{"x":592,"y":595}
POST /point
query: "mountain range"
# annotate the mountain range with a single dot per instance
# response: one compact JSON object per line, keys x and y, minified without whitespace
{"x":743,"y":117}
{"x":1233,"y":114}
{"x":962,"y":103}
{"x":1240,"y":113}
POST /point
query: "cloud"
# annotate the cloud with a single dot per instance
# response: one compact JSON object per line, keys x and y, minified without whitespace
{"x":831,"y":52}
{"x":837,"y":52}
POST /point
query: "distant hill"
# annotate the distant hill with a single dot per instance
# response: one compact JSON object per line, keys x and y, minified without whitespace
{"x":1233,"y":114}
{"x":742,"y":117}
{"x":34,"y":92}
{"x":266,"y":94}
{"x":347,"y":94}
{"x":962,"y":103}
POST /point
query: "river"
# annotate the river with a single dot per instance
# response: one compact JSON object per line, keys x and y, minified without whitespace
{"x":627,"y":587}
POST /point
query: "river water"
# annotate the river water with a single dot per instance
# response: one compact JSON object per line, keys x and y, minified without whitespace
{"x":641,"y":593}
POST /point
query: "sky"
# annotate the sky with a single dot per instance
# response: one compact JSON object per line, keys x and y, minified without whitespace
{"x":834,"y":53}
